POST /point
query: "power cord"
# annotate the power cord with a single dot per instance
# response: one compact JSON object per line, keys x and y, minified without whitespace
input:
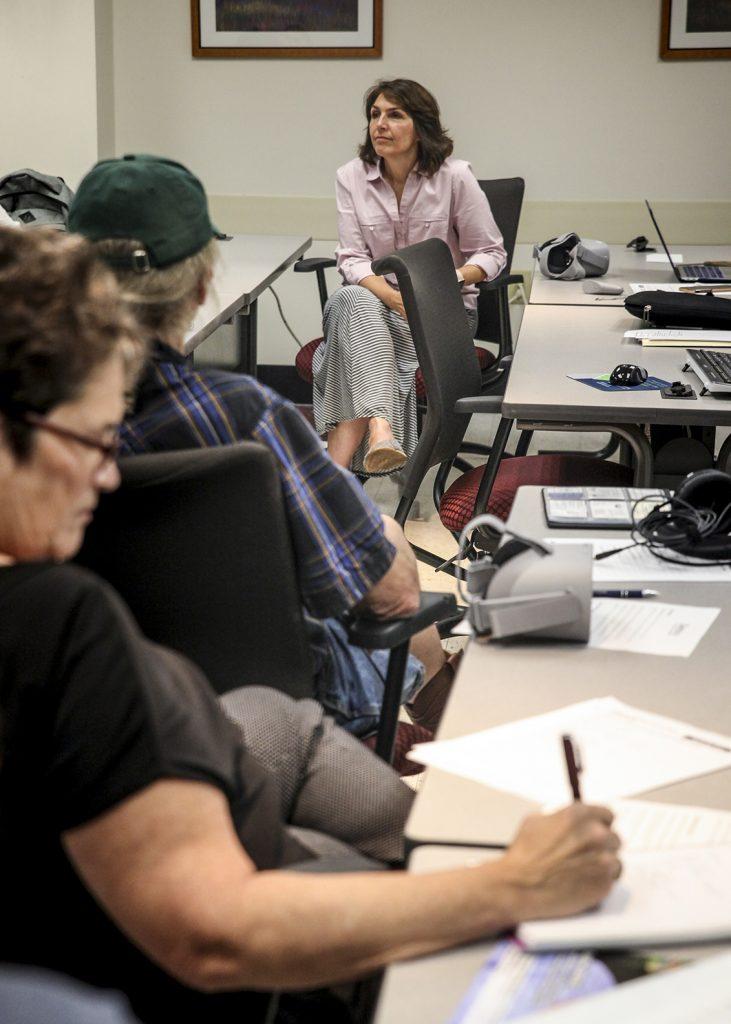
{"x":675,"y":526}
{"x":284,"y":319}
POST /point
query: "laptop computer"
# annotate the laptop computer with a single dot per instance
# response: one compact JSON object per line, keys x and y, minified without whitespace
{"x":690,"y":273}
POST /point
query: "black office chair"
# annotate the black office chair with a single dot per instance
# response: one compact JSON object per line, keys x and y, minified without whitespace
{"x":197,"y":543}
{"x":443,"y":342}
{"x":505,"y":196}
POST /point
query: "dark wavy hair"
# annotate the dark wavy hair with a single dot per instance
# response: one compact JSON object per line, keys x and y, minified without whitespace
{"x":434,"y":143}
{"x":61,"y":317}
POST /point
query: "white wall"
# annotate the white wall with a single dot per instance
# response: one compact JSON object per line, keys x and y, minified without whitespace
{"x":48,"y":85}
{"x":569,"y":93}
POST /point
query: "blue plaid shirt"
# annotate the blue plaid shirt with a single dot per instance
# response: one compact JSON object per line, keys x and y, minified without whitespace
{"x":337,"y":532}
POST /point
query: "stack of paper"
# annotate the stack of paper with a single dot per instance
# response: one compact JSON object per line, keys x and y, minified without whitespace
{"x":624,"y":751}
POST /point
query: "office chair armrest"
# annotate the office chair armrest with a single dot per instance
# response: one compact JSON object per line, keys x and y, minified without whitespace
{"x":500,"y":282}
{"x":387,"y":634}
{"x":314,"y":263}
{"x":480,"y":404}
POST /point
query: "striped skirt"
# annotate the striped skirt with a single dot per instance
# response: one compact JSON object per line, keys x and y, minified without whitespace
{"x":365,"y":368}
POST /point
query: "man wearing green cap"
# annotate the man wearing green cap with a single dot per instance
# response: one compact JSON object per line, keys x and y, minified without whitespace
{"x":149,"y":218}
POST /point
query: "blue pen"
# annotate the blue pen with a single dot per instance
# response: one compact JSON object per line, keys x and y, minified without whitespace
{"x":625,"y":593}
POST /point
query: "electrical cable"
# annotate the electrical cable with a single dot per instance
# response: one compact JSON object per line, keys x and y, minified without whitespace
{"x":284,"y":319}
{"x":677,"y":527}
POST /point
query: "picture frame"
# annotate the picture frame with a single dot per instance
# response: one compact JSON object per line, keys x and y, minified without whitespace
{"x":286,"y":28}
{"x":695,"y":30}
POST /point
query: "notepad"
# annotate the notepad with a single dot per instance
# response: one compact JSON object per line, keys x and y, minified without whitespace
{"x":650,"y":825}
{"x":663,"y":896}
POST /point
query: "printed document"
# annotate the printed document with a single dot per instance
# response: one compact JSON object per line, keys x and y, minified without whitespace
{"x":513,"y":983}
{"x":650,"y":825}
{"x":624,"y":751}
{"x":691,"y":994}
{"x":648,"y":627}
{"x":639,"y":563}
{"x":679,"y":896}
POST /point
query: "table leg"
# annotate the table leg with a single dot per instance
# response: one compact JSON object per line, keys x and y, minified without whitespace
{"x":245,"y":327}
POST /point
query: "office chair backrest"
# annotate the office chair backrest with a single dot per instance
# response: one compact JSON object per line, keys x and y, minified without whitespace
{"x":197,"y":544}
{"x":444,"y":347}
{"x":505,"y":196}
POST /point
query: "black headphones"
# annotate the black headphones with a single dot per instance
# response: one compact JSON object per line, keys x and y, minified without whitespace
{"x":695,"y":522}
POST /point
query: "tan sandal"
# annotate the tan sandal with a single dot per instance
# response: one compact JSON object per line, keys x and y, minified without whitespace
{"x":384,"y":457}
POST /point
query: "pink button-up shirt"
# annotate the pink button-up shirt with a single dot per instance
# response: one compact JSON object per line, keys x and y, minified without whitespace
{"x":449,"y":205}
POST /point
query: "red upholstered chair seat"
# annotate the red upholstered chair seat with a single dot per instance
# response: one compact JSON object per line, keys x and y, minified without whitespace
{"x":303,"y":364}
{"x":407,"y":734}
{"x":484,"y":357}
{"x":457,"y":505}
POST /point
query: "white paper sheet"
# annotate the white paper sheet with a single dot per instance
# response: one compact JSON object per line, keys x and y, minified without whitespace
{"x":689,"y":336}
{"x":640,"y":565}
{"x":623,"y":750}
{"x":648,"y":626}
{"x":697,"y":993}
{"x":660,"y":257}
{"x":649,"y":825}
{"x":680,"y":896}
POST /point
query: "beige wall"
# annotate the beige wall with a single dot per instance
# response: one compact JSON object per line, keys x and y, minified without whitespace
{"x":569,"y":93}
{"x":48,"y":86}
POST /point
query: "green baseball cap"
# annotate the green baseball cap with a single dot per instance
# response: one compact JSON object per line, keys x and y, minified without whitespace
{"x":149,"y":198}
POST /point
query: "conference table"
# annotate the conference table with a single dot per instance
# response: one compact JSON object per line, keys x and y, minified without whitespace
{"x":248,"y":265}
{"x":558,"y":340}
{"x":503,"y":682}
{"x":429,"y":990}
{"x":625,"y":267}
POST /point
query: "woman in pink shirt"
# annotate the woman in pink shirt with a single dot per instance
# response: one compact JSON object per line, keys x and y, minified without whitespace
{"x":404,"y":186}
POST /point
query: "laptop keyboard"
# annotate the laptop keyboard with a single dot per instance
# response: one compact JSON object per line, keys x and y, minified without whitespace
{"x":702,"y":272}
{"x":715,"y":365}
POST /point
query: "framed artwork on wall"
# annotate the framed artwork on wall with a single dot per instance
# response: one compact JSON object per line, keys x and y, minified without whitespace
{"x":287,"y":28}
{"x":695,"y":30}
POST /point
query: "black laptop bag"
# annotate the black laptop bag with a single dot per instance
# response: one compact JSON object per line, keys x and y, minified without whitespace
{"x":680,"y":309}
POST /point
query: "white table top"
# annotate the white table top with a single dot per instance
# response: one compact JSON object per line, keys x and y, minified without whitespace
{"x":625,"y":266}
{"x":499,"y":683}
{"x":430,"y":989}
{"x":557,"y":340}
{"x":248,"y":264}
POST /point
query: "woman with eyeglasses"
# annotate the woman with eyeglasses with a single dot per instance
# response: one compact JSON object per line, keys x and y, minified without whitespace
{"x":140,"y":836}
{"x":403,"y":187}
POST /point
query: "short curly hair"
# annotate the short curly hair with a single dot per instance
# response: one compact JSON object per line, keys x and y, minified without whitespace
{"x":434,"y":143}
{"x":61,"y":317}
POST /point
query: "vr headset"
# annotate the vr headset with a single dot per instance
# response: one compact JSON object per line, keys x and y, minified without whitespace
{"x":528,"y":588}
{"x":570,"y":258}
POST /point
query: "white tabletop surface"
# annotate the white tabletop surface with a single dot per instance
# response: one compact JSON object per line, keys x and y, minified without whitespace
{"x":556,"y":340}
{"x":499,"y":683}
{"x":248,"y":264}
{"x":625,"y":267}
{"x":429,"y":990}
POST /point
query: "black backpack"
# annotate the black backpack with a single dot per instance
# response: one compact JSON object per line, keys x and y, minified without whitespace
{"x":36,"y":199}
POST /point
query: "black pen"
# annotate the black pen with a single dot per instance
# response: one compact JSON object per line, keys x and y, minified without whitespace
{"x":573,"y":765}
{"x":625,"y":593}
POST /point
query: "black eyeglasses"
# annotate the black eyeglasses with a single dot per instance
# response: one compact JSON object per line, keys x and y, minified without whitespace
{"x":108,"y":450}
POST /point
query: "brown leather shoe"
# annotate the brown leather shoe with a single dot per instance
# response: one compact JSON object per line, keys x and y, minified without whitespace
{"x":384,"y":457}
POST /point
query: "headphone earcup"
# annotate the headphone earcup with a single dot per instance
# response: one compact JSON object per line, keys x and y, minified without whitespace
{"x":709,"y":489}
{"x":509,"y":550}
